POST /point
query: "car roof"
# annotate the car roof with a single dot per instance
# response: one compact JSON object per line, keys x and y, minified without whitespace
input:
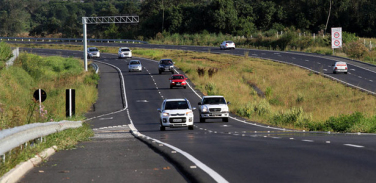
{"x":340,"y":62}
{"x":212,"y":96}
{"x":166,"y":59}
{"x":176,"y":99}
{"x":92,"y":47}
{"x":134,"y":61}
{"x":123,"y":48}
{"x":177,"y":75}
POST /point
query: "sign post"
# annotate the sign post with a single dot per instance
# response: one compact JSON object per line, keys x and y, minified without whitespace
{"x":336,"y":37}
{"x":40,"y":95}
{"x":70,"y":104}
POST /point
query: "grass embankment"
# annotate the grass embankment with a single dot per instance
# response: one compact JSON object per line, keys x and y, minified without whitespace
{"x":54,"y":75}
{"x":5,"y":53}
{"x":294,"y":97}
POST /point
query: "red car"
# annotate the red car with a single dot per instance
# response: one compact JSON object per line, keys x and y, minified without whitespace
{"x":178,"y":80}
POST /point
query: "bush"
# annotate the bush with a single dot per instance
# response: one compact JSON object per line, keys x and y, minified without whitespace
{"x":211,"y":89}
{"x":355,"y":49}
{"x":344,"y":122}
{"x":294,"y":116}
{"x":5,"y":52}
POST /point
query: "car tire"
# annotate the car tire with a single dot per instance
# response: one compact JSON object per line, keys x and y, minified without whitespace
{"x":224,"y":119}
{"x":334,"y":72}
{"x":202,"y":120}
{"x":160,"y":72}
{"x":185,"y":87}
{"x":170,"y":87}
{"x":162,"y":128}
{"x":172,"y":72}
{"x":345,"y":72}
{"x":190,"y":127}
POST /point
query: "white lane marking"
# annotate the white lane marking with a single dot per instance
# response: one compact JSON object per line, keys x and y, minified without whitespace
{"x":318,"y":63}
{"x":325,"y":69}
{"x":307,"y":140}
{"x":293,"y":58}
{"x":307,"y":60}
{"x":353,"y":145}
{"x":352,"y":69}
{"x":360,"y":76}
{"x":371,"y":80}
{"x":277,"y":53}
{"x":106,"y":118}
{"x":328,"y":142}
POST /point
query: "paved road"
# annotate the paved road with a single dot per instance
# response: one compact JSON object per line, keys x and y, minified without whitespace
{"x":242,"y":151}
{"x":113,"y":155}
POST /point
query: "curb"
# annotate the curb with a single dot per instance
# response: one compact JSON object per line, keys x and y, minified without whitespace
{"x":21,"y":169}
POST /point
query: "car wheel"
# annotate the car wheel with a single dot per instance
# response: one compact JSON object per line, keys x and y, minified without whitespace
{"x":172,"y":72}
{"x":162,"y":128}
{"x":170,"y":87}
{"x":129,"y":70}
{"x":190,"y":127}
{"x":202,"y":120}
{"x":334,"y":72}
{"x":160,"y":72}
{"x":224,"y":119}
{"x":345,"y":72}
{"x":185,"y":87}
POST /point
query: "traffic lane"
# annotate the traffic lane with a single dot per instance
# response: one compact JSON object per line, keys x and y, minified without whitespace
{"x":262,"y":159}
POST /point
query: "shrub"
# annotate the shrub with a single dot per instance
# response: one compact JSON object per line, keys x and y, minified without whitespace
{"x":201,"y":71}
{"x":211,"y":88}
{"x":5,"y":52}
{"x":344,"y":122}
{"x":294,"y":116}
{"x":268,"y":92}
{"x":355,"y":49}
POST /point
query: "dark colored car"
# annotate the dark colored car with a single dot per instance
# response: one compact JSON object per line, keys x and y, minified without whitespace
{"x":178,"y":80}
{"x":166,"y":65}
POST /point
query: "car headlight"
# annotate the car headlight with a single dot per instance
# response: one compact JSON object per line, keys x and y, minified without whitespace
{"x":204,"y":109}
{"x":165,"y":114}
{"x":160,"y":66}
{"x":189,"y":113}
{"x":225,"y":109}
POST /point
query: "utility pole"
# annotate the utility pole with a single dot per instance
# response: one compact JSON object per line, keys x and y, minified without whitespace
{"x":327,"y":21}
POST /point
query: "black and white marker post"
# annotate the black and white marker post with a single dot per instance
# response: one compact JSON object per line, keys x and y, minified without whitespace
{"x":70,"y":102}
{"x":40,"y":95}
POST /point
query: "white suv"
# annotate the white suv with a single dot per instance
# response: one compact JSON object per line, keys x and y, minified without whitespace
{"x":176,"y":113}
{"x":213,"y":107}
{"x":124,"y":52}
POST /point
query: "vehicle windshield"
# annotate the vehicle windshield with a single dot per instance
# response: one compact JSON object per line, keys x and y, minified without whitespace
{"x":125,"y":50}
{"x":135,"y":63}
{"x":177,"y":77}
{"x":93,"y":49}
{"x":171,"y":105}
{"x":166,"y":62}
{"x":214,"y":101}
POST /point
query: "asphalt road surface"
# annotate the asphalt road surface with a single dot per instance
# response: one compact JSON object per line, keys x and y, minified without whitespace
{"x":241,"y":151}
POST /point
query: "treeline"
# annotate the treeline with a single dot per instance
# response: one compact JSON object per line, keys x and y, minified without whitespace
{"x":235,"y":17}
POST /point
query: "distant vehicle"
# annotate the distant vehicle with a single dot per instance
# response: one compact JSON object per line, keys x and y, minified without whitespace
{"x":124,"y":52}
{"x":213,"y":107}
{"x":227,"y":45}
{"x":340,"y":67}
{"x":176,"y":113}
{"x":134,"y":65}
{"x":166,"y":65}
{"x":93,"y":52}
{"x":178,"y":80}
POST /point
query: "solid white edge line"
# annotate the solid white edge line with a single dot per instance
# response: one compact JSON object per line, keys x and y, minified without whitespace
{"x":353,"y":145}
{"x":208,"y":170}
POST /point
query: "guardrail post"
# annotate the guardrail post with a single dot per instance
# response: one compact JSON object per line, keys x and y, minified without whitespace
{"x":3,"y":158}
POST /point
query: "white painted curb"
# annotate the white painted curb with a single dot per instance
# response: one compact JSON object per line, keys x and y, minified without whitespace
{"x":21,"y":169}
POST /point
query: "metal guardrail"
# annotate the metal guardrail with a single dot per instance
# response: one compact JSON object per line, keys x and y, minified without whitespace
{"x":71,"y":40}
{"x":95,"y":67}
{"x":15,"y":137}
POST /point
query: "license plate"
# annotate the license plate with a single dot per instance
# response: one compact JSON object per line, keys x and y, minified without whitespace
{"x":177,"y":84}
{"x":167,"y":68}
{"x":177,"y":120}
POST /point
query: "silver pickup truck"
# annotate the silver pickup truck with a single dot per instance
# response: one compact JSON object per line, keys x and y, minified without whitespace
{"x":213,"y":107}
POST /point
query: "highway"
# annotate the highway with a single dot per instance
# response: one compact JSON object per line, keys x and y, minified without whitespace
{"x":243,"y":151}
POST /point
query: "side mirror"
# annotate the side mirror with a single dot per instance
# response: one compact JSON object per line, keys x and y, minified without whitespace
{"x":228,"y":103}
{"x":159,"y":110}
{"x":193,"y":108}
{"x":199,"y":103}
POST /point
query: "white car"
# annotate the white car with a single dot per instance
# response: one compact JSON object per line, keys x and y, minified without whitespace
{"x":340,"y":67}
{"x":134,"y":65}
{"x":93,"y":52}
{"x":124,"y":52}
{"x":227,"y":45}
{"x":213,"y":107}
{"x":176,"y":113}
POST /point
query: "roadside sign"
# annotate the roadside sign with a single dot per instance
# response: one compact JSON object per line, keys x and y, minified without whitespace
{"x":40,"y":94}
{"x":337,"y":37}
